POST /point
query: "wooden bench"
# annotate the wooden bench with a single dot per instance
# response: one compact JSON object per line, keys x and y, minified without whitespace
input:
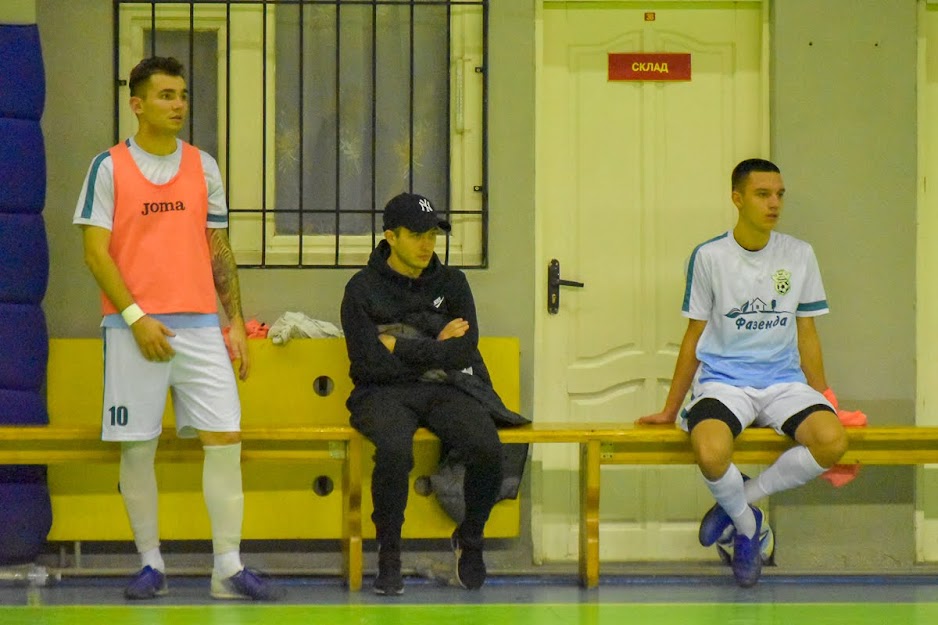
{"x":625,"y":443}
{"x":281,"y":445}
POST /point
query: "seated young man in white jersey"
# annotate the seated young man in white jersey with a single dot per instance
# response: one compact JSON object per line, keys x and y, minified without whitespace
{"x":752,"y":354}
{"x":153,"y":217}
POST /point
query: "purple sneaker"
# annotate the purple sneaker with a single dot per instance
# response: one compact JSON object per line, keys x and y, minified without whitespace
{"x":724,"y":546}
{"x":148,"y":583}
{"x":714,"y":525}
{"x":747,"y":558}
{"x":246,"y":584}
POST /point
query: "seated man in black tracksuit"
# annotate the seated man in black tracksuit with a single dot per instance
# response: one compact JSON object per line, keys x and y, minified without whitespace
{"x":410,"y":321}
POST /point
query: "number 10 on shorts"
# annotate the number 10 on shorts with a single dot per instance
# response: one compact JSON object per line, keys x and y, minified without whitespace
{"x":118,"y":415}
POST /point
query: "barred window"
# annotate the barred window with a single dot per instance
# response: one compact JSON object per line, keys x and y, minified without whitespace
{"x":319,"y":111}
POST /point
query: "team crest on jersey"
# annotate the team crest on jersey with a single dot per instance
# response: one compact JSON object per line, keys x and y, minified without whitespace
{"x":782,"y":280}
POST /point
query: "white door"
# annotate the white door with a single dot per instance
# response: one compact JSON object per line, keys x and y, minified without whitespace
{"x":631,"y":176}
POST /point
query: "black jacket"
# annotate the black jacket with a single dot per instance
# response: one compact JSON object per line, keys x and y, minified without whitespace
{"x":377,"y":295}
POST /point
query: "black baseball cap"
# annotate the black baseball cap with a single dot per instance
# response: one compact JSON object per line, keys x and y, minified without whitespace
{"x":414,"y":212}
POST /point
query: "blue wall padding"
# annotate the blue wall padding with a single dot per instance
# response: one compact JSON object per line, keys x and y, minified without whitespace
{"x":25,"y":506}
{"x":22,"y":166}
{"x":24,"y":347}
{"x":23,"y":407}
{"x":24,"y":259}
{"x":22,"y":76}
{"x":23,"y":489}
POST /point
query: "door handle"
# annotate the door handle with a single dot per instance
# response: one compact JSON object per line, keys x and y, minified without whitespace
{"x":553,"y":286}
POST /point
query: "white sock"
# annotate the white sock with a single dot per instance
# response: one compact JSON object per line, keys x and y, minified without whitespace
{"x":793,"y":468}
{"x":153,"y":559}
{"x":141,"y":500}
{"x":227,"y":564}
{"x":729,"y":493}
{"x":224,"y":499}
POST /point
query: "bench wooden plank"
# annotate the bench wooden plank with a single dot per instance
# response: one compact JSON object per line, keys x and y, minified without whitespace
{"x":65,"y":445}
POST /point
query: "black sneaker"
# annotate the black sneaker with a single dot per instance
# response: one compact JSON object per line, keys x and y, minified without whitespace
{"x":389,"y":580}
{"x":470,"y":567}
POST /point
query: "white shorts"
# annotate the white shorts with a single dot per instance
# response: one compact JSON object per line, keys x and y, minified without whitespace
{"x":767,"y":407}
{"x":200,"y":376}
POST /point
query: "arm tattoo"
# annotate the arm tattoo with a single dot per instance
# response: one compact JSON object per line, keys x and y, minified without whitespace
{"x":225,"y":273}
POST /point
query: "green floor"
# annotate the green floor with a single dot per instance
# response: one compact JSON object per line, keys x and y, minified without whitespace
{"x":532,"y":614}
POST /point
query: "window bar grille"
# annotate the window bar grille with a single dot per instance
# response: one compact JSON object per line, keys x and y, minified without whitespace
{"x":263,"y":130}
{"x":447,"y":199}
{"x":228,"y":124}
{"x":374,"y":123}
{"x":191,"y":67}
{"x":117,"y":71}
{"x":152,"y":29}
{"x":302,"y":114}
{"x":374,"y":210}
{"x":483,"y":184}
{"x":410,"y":148}
{"x":338,"y":127}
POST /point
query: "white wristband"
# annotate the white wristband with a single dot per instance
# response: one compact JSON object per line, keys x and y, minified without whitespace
{"x":132,"y":314}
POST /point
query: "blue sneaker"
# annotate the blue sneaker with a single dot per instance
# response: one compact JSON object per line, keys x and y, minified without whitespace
{"x":148,"y":583}
{"x":747,"y":556}
{"x":724,"y":546}
{"x":714,"y":526}
{"x":245,"y":584}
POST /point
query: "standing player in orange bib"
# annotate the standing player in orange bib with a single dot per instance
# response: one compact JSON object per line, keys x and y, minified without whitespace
{"x":153,"y":216}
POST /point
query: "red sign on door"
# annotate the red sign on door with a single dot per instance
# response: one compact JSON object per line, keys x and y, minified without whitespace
{"x":653,"y":66}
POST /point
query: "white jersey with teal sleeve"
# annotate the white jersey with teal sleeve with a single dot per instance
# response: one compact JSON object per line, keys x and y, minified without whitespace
{"x":750,"y":301}
{"x":96,"y":202}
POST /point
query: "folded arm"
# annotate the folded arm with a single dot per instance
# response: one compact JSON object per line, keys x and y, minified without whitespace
{"x":456,"y":346}
{"x":370,"y":352}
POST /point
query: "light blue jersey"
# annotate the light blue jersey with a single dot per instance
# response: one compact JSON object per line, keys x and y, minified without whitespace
{"x":750,"y":301}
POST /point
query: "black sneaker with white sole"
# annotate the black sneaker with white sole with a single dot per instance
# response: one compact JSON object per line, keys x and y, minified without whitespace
{"x":470,"y":567}
{"x":389,"y":580}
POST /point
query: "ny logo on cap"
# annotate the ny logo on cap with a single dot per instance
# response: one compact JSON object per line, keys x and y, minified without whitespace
{"x":425,"y":206}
